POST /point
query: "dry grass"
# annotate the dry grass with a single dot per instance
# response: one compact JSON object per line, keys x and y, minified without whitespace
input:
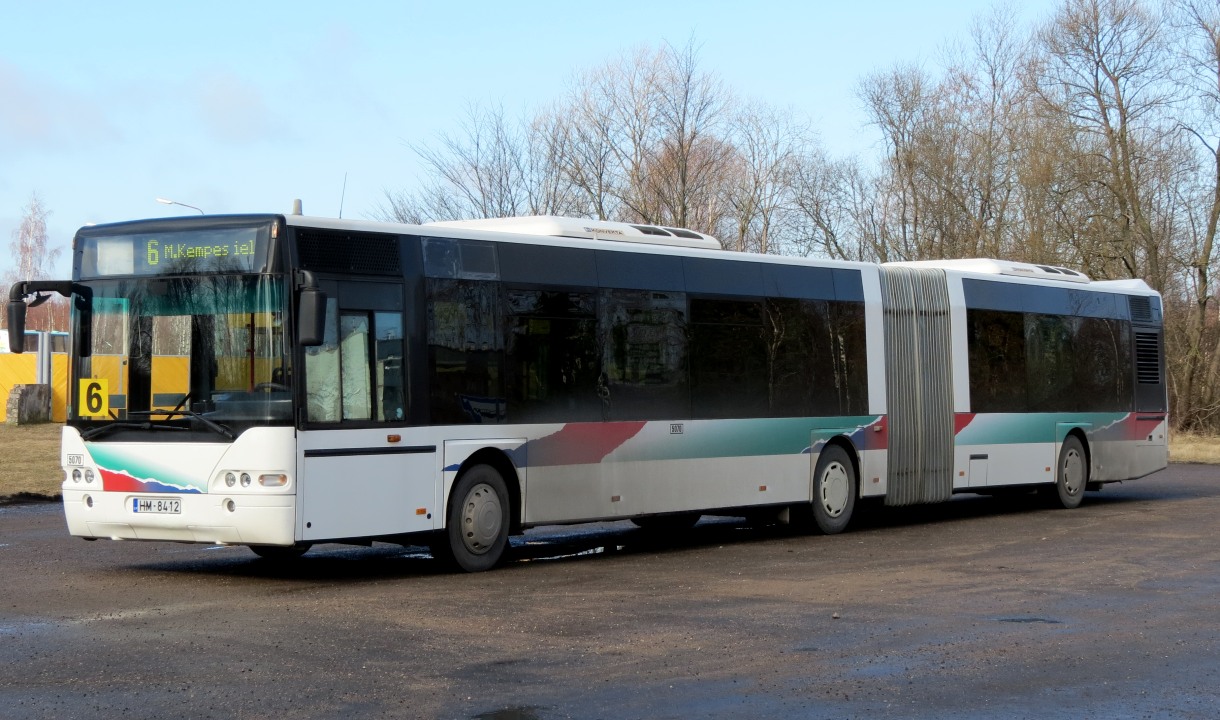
{"x":29,"y":460}
{"x":1187,"y":448}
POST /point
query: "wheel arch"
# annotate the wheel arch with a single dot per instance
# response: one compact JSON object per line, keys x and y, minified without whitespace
{"x":499,"y":460}
{"x":1080,"y":434}
{"x":841,"y":441}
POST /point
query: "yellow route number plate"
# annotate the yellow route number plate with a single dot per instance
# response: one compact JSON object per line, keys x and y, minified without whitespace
{"x":94,"y":397}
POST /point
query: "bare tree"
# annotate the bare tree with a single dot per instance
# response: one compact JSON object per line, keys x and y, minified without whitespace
{"x":760,"y":177}
{"x":1104,"y":72}
{"x":31,"y":248}
{"x":492,"y":168}
{"x":30,"y":245}
{"x":1197,"y":386}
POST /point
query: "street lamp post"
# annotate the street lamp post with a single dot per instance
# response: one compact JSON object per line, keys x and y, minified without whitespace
{"x":164,"y":201}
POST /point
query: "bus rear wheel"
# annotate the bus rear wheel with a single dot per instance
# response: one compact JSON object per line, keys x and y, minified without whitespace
{"x":1071,"y":475}
{"x":834,"y":490}
{"x":476,"y":531}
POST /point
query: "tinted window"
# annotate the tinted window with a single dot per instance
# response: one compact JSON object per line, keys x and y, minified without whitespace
{"x":644,"y":355}
{"x":390,"y":382}
{"x":728,"y":357}
{"x":553,"y":359}
{"x":465,"y":351}
{"x":547,"y":265}
{"x":1102,"y":372}
{"x":997,"y":360}
{"x":794,"y":281}
{"x":639,"y":271}
{"x":1019,"y":297}
{"x":1027,"y":362}
{"x":1049,"y":362}
{"x":468,"y":259}
{"x":816,"y":361}
{"x":723,"y":277}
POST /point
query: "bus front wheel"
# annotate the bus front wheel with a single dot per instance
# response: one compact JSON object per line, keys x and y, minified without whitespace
{"x":476,"y":531}
{"x":834,"y":490}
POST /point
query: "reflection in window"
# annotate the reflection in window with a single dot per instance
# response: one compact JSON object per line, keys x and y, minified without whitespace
{"x":357,"y":371}
{"x":354,"y":362}
{"x":391,"y":383}
{"x":643,"y":339}
{"x":1027,"y":362}
{"x":322,"y":371}
{"x":553,"y":363}
{"x":465,"y":349}
{"x":1048,"y":362}
{"x":816,"y":363}
{"x":728,"y":359}
{"x":997,"y":360}
{"x":1102,"y":373}
{"x":217,"y":339}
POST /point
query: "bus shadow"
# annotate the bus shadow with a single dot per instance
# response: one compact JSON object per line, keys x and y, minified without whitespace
{"x":589,"y":542}
{"x":621,"y":538}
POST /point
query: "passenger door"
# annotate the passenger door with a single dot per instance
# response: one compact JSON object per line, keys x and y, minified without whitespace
{"x":359,"y":474}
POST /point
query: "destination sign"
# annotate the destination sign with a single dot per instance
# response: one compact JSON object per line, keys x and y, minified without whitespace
{"x":228,"y":249}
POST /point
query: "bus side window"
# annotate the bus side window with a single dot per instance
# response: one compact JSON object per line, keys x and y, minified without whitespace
{"x":388,"y":371}
{"x":322,"y":371}
{"x":354,"y":366}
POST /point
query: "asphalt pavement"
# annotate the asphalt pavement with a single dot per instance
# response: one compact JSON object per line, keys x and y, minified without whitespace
{"x":980,"y":607}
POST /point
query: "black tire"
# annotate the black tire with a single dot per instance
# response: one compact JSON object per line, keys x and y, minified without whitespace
{"x":281,"y":553}
{"x":834,"y":490}
{"x":1071,"y":475}
{"x":477,"y":522}
{"x":667,"y":524}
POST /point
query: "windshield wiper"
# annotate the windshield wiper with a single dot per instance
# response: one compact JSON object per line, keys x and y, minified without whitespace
{"x":94,"y":432}
{"x":182,"y":412}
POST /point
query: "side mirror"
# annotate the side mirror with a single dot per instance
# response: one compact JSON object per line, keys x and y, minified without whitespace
{"x":16,"y":326}
{"x":311,"y":317}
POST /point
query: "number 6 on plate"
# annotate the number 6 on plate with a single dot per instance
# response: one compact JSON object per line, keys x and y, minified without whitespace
{"x":94,"y":397}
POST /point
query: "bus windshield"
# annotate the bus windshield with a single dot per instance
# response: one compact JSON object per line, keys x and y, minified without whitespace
{"x":204,"y":352}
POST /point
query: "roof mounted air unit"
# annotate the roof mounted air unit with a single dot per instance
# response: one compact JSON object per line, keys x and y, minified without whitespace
{"x":553,"y":226}
{"x":1003,"y":267}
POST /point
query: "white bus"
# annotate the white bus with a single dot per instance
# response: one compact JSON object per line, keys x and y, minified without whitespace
{"x":279,"y":381}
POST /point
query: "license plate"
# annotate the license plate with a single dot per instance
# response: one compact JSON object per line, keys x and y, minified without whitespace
{"x":156,"y":506}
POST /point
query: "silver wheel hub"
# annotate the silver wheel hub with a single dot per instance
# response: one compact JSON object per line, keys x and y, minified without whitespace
{"x":482,"y":517}
{"x":1073,"y":472}
{"x":834,"y":489}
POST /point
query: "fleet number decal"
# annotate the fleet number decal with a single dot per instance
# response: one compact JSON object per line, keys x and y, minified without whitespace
{"x":94,"y":397}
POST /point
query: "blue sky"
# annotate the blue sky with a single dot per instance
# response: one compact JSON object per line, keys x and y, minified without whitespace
{"x":243,"y":106}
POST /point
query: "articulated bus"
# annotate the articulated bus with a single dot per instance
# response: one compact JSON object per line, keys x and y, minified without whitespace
{"x":279,"y":381}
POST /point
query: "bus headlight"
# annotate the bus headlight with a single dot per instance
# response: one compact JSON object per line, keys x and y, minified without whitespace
{"x":76,"y":475}
{"x":230,"y":479}
{"x":88,"y":475}
{"x":245,"y":479}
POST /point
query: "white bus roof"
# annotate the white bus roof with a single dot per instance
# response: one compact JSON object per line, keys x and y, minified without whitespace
{"x":1002,"y":267}
{"x":553,"y":226}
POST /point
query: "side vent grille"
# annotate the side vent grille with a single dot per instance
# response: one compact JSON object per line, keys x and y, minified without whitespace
{"x":1141,"y":308}
{"x":1147,"y":358}
{"x":348,"y":252}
